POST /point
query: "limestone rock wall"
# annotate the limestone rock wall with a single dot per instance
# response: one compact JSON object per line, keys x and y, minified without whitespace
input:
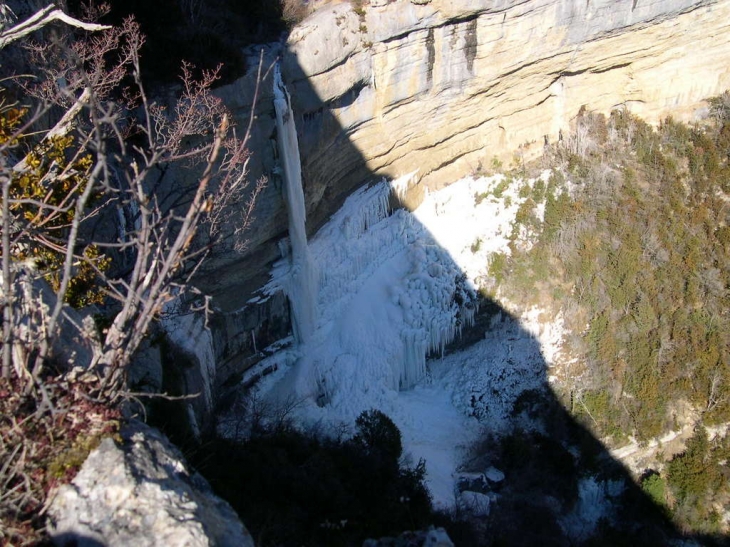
{"x":439,"y":86}
{"x":142,"y":493}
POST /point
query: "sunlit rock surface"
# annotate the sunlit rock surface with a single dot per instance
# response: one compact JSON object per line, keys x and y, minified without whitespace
{"x":439,"y":87}
{"x":445,"y":85}
{"x":142,"y":494}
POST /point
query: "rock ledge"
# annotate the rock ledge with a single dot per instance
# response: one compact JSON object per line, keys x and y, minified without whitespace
{"x":142,"y":493}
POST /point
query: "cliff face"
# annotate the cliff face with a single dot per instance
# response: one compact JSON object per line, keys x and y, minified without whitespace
{"x":439,"y":86}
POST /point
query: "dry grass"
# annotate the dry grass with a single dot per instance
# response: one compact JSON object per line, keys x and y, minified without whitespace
{"x":44,"y":439}
{"x":294,"y":12}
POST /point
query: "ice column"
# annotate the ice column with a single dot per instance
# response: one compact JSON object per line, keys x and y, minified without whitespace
{"x":302,"y":289}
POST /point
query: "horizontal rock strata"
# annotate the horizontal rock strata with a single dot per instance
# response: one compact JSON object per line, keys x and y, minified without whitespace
{"x":443,"y":86}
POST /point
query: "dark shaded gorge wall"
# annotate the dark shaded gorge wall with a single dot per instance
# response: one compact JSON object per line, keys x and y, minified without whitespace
{"x":441,"y":88}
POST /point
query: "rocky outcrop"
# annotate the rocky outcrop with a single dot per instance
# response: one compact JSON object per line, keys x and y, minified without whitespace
{"x":445,"y":86}
{"x":142,"y":493}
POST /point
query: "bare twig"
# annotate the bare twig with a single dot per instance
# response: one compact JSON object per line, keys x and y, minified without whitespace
{"x":41,"y":19}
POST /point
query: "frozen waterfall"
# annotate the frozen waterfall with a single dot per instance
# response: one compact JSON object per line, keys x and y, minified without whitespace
{"x":302,"y":284}
{"x":389,"y":298}
{"x":390,"y":295}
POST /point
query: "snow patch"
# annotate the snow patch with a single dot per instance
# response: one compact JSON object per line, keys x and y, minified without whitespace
{"x":595,"y":502}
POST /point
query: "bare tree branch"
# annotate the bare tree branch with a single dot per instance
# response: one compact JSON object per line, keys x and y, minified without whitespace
{"x":159,"y":232}
{"x":39,"y":20}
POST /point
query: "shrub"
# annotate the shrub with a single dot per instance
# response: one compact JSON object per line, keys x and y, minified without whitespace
{"x":538,"y":190}
{"x":720,"y":107}
{"x":478,"y":198}
{"x":40,"y":450}
{"x":293,"y":12}
{"x":498,"y":266}
{"x":62,"y":379}
{"x":358,"y":6}
{"x":377,"y":432}
{"x":500,"y":188}
{"x":291,"y":488}
{"x":654,"y":486}
{"x":690,"y":473}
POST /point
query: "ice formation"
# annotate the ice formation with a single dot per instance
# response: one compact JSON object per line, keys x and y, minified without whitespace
{"x":391,"y":295}
{"x":301,"y":286}
{"x":394,"y":288}
{"x":595,"y":502}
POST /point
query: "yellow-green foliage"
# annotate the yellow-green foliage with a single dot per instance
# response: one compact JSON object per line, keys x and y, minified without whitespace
{"x":696,"y":481}
{"x":43,"y":196}
{"x":656,"y":488}
{"x":497,"y":266}
{"x":648,"y":246}
{"x":642,"y":244}
{"x":10,"y":121}
{"x":71,"y":458}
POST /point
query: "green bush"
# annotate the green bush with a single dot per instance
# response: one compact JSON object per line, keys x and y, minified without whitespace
{"x":498,"y":266}
{"x":655,"y":487}
{"x":500,"y":188}
{"x":690,"y":474}
{"x":295,"y":489}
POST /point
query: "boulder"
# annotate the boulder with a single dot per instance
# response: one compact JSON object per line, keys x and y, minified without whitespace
{"x":143,"y":493}
{"x":494,"y":475}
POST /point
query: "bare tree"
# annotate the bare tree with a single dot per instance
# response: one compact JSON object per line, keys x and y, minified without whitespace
{"x":104,"y":153}
{"x":101,"y":159}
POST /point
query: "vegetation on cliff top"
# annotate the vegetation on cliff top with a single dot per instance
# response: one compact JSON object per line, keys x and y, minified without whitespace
{"x":634,"y":250}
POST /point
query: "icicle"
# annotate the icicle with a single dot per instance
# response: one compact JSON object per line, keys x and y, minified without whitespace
{"x":302,"y":289}
{"x":371,"y":236}
{"x":414,"y":361}
{"x":401,"y":185}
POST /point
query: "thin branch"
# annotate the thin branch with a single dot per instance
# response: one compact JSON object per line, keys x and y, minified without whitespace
{"x":68,"y":264}
{"x":39,"y":20}
{"x":165,"y":396}
{"x":7,"y":280}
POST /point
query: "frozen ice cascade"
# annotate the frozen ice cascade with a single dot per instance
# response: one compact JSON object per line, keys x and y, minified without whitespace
{"x":394,"y":287}
{"x":301,"y":286}
{"x":388,"y":297}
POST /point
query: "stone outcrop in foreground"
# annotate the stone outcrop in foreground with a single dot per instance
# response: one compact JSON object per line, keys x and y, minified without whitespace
{"x":144,"y":494}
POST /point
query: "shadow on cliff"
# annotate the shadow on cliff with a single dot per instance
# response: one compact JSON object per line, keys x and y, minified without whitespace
{"x":561,"y":485}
